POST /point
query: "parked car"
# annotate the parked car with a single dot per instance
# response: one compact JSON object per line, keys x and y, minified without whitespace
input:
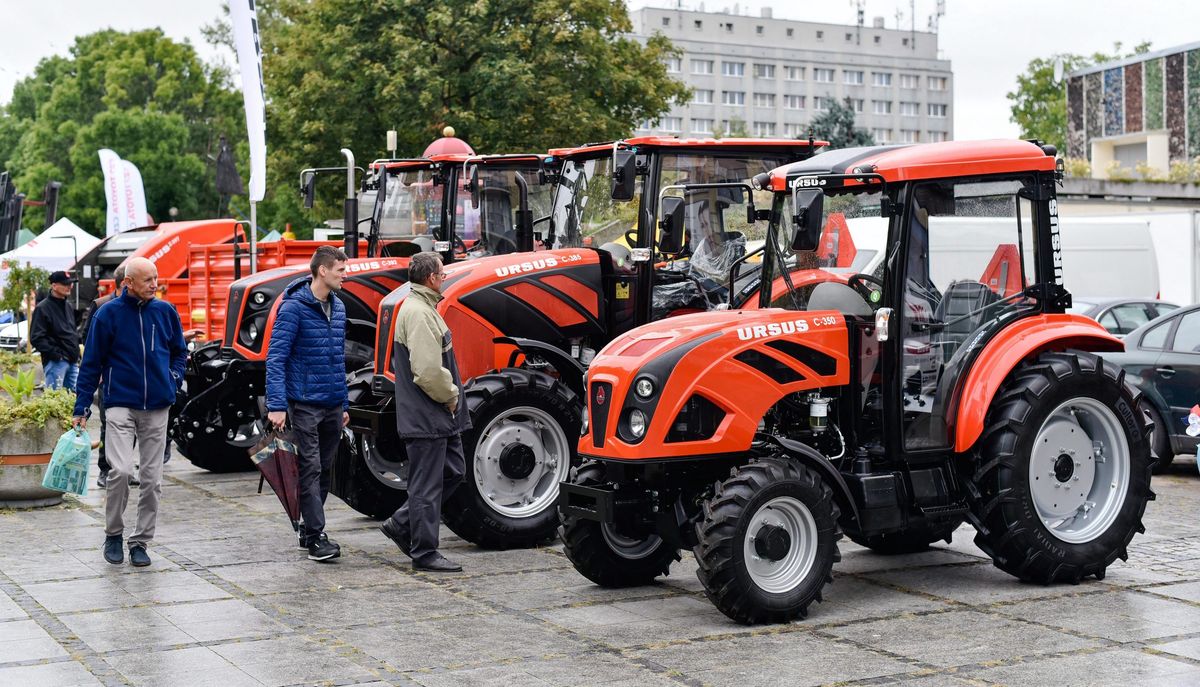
{"x":14,"y":335}
{"x":1162,"y":358}
{"x":1121,"y":315}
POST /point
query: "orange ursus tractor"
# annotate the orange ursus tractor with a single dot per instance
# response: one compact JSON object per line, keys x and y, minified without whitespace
{"x":945,"y":384}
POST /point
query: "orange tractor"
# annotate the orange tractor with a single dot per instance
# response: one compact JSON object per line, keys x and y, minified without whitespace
{"x":893,"y":404}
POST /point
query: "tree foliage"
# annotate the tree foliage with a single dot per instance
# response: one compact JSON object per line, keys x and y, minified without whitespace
{"x":1039,"y":103}
{"x":147,"y":97}
{"x":836,"y":125}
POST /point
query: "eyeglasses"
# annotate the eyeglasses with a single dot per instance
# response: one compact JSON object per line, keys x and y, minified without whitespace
{"x":441,"y":275}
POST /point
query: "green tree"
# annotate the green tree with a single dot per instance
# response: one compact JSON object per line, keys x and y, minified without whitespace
{"x":517,"y":76}
{"x":147,"y":97}
{"x":836,"y":125}
{"x":737,"y":129}
{"x":1039,"y":103}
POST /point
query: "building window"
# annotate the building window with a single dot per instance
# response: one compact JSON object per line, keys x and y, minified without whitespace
{"x":849,"y":37}
{"x":702,"y":66}
{"x":882,"y":135}
{"x":764,"y":71}
{"x":791,"y":33}
{"x":793,"y":102}
{"x":904,"y":42}
{"x":793,"y":130}
{"x":646,"y":125}
{"x":938,"y":110}
{"x":674,"y":65}
{"x":823,"y":75}
{"x":853,"y":78}
{"x":881,"y":107}
{"x":937,"y":83}
{"x":764,"y":128}
{"x":881,"y":78}
{"x":909,"y":80}
{"x":878,"y":40}
{"x":910,"y":109}
{"x":671,"y":124}
{"x":856,"y":104}
{"x":822,"y":103}
{"x":910,"y":136}
{"x":702,"y":96}
{"x":793,"y":73}
{"x":666,"y":21}
{"x":728,"y":27}
{"x":702,"y":126}
{"x":820,"y":35}
{"x":758,"y":30}
{"x":698,"y":24}
{"x":733,"y":68}
{"x":733,"y":97}
{"x":764,"y":100}
{"x":936,"y":136}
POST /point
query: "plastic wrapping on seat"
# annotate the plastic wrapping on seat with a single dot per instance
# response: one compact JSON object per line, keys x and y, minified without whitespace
{"x":668,"y":298}
{"x":711,"y":259}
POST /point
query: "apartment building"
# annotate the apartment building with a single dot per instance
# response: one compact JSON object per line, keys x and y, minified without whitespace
{"x":776,"y":75}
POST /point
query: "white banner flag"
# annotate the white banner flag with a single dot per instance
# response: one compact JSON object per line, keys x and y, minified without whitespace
{"x":244,"y":17}
{"x":114,"y":190}
{"x":134,"y":207}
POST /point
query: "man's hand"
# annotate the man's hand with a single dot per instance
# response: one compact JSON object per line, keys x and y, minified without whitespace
{"x":78,"y":421}
{"x":345,"y":418}
{"x":277,"y":418}
{"x":452,"y":405}
{"x":192,"y":334}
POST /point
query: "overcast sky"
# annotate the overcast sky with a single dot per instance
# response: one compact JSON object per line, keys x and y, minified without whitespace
{"x":988,"y":43}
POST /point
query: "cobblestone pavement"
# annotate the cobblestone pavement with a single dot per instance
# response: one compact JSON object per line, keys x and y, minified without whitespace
{"x":230,"y":601}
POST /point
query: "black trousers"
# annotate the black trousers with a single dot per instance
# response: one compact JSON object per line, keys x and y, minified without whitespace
{"x":435,"y":468}
{"x":317,"y":431}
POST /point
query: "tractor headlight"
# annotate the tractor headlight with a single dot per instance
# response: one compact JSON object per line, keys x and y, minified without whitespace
{"x":253,"y":331}
{"x":644,"y":388}
{"x":637,"y":424}
{"x":258,"y":298}
{"x":583,"y":427}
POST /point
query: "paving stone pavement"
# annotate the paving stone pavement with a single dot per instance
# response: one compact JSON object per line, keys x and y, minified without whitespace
{"x":230,"y":601}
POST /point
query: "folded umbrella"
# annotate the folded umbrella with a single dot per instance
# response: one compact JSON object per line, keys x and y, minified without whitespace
{"x":275,"y":457}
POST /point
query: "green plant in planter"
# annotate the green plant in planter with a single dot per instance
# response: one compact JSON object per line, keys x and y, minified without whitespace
{"x":19,"y":387}
{"x":37,"y":410}
{"x":22,"y":283}
{"x":16,"y":360}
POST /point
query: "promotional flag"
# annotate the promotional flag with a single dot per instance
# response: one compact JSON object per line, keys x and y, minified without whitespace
{"x":244,"y":18}
{"x":114,"y":190}
{"x":135,"y":197}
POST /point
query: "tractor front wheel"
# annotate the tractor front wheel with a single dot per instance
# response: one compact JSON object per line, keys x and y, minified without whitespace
{"x":1062,"y":473}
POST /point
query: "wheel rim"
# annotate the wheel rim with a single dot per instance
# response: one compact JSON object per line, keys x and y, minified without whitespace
{"x":1079,"y":470}
{"x":780,"y":545}
{"x":521,"y":457}
{"x":628,"y":547}
{"x":390,"y":473}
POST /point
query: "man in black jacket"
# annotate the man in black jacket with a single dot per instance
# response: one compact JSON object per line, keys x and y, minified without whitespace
{"x":52,"y":333}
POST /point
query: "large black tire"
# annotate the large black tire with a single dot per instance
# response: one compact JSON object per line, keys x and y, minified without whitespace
{"x":505,"y":401}
{"x":605,"y":556}
{"x":911,"y":540}
{"x":1161,"y":453}
{"x":781,"y":491}
{"x":211,"y":452}
{"x":359,"y":486}
{"x":1011,"y":520}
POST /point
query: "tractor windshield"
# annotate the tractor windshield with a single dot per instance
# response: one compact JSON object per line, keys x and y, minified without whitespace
{"x":412,"y":205}
{"x":584,"y":208}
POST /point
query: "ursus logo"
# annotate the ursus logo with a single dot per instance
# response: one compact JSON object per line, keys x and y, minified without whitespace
{"x":760,"y":331}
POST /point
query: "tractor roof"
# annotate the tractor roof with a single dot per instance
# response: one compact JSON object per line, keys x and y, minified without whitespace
{"x":923,"y":161}
{"x":701,"y":144}
{"x":419,"y":162}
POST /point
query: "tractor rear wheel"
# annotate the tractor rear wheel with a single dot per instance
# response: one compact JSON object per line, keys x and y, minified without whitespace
{"x":911,"y":540}
{"x":768,"y":542}
{"x":525,"y":425}
{"x":369,"y":473}
{"x":1062,"y":471}
{"x":212,"y":453}
{"x":607,"y":557}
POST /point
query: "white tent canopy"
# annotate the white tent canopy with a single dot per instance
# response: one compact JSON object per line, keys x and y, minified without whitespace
{"x":56,"y":248}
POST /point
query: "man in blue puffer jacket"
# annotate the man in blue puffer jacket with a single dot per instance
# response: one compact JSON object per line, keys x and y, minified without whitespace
{"x":306,"y":379}
{"x":135,"y":348}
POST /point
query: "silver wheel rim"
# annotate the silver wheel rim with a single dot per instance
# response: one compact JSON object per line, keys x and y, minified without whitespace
{"x":785,"y":574}
{"x":547,"y":454}
{"x":628,"y":547}
{"x":1079,"y":470}
{"x":390,"y":473}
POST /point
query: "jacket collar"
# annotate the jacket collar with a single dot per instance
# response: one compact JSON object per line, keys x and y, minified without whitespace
{"x":131,"y":299}
{"x":427,"y":294}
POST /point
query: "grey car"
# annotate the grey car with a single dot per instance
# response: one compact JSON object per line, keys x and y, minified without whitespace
{"x":1121,"y":315}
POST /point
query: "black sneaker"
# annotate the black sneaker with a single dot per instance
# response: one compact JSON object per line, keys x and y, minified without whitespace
{"x":138,"y":556}
{"x":133,"y":480}
{"x":436,"y":562}
{"x":102,"y":480}
{"x":322,"y":549}
{"x":398,"y":535}
{"x":300,"y":539}
{"x":114,"y":552}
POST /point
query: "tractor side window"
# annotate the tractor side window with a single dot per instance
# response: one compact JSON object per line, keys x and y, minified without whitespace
{"x":969,"y":255}
{"x":491,"y":228}
{"x":584,"y":211}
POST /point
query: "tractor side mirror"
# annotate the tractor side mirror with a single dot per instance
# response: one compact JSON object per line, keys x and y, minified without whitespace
{"x":308,"y":188}
{"x":807,"y":222}
{"x":624,"y":174}
{"x":473,"y":187}
{"x":670,"y":238}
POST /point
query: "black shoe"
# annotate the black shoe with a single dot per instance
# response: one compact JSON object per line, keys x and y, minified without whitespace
{"x":102,"y":480}
{"x":322,"y":549}
{"x":436,"y":562}
{"x":138,"y":556}
{"x":301,"y":539}
{"x":133,"y":480}
{"x":114,"y":552}
{"x":398,"y":535}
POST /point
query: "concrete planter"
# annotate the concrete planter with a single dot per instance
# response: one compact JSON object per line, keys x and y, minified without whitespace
{"x":24,"y":453}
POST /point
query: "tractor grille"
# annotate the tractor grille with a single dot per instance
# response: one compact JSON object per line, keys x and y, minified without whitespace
{"x":601,"y":399}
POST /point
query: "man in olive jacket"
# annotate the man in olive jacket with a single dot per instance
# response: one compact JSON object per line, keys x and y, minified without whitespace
{"x":429,"y":416}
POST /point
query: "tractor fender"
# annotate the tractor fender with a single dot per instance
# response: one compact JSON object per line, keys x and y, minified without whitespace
{"x":1017,"y":342}
{"x":570,"y":371}
{"x":812,"y":458}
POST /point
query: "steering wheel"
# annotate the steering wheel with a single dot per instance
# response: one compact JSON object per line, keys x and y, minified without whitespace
{"x":460,"y":247}
{"x":859,"y":281}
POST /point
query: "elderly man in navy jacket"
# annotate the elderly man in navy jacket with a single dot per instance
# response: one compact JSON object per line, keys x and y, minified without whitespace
{"x":306,"y":379}
{"x":134,"y":348}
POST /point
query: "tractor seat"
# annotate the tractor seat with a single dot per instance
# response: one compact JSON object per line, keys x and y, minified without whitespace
{"x":495,"y":209}
{"x":960,"y":299}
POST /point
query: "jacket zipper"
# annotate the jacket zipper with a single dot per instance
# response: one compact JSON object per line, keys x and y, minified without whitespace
{"x":153,"y":335}
{"x":142,"y":332}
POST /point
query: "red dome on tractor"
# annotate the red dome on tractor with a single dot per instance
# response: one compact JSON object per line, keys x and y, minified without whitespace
{"x":448,"y":145}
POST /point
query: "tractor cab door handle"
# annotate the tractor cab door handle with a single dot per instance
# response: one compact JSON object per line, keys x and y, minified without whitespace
{"x":1167,"y":372}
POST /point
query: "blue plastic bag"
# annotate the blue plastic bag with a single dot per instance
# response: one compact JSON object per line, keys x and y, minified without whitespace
{"x":68,"y":468}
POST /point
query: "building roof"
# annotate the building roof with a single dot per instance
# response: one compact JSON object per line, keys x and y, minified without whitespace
{"x":1134,"y":59}
{"x":694,"y":143}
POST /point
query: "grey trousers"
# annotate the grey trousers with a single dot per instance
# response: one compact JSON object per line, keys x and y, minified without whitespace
{"x":435,"y":468}
{"x":317,"y":431}
{"x":124,"y":426}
